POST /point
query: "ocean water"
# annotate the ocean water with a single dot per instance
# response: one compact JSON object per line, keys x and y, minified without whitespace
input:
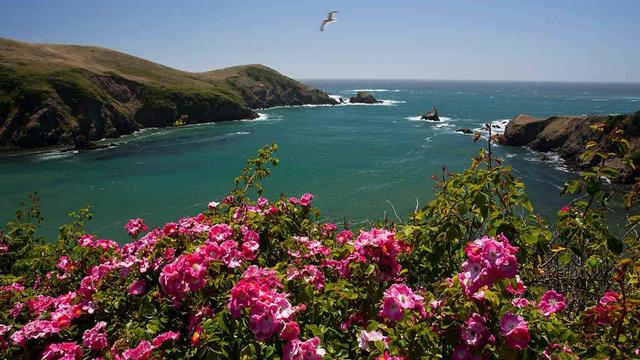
{"x":361,"y":161}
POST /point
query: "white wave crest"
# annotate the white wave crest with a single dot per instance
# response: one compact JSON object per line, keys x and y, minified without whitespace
{"x":375,"y":90}
{"x":261,"y":117}
{"x":54,"y":155}
{"x":347,"y":103}
{"x":550,"y":158}
{"x":497,"y":127}
{"x":419,"y":118}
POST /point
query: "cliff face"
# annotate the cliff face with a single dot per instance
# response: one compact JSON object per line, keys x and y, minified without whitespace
{"x":53,"y":94}
{"x":568,"y":135}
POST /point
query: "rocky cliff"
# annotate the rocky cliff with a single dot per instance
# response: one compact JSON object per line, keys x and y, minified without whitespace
{"x":54,"y":94}
{"x":568,"y":135}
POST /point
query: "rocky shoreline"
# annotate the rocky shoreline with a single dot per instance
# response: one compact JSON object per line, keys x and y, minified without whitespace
{"x":568,"y":135}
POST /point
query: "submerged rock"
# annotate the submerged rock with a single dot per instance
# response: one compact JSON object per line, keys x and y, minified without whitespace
{"x":363,"y":97}
{"x":465,"y":131}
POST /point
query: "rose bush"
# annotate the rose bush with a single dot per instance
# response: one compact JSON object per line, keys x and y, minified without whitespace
{"x":265,"y":279}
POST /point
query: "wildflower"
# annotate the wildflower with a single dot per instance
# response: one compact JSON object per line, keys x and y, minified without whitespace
{"x":328,"y":229}
{"x":35,"y":329}
{"x":96,"y":337}
{"x":16,"y":310}
{"x":609,"y":297}
{"x":249,"y":249}
{"x":398,"y":298}
{"x":551,"y":302}
{"x":137,"y":287}
{"x":290,"y":331}
{"x":488,"y":260}
{"x":270,"y":311}
{"x":166,"y":336}
{"x":372,"y":336}
{"x":262,"y":202}
{"x":220,"y":233}
{"x":475,"y":333}
{"x":386,"y":356}
{"x":382,"y":248}
{"x":86,"y":240}
{"x":135,"y":227}
{"x":183,"y":275}
{"x":308,"y":350}
{"x":305,"y":199}
{"x":344,"y":236}
{"x":520,"y":287}
{"x":249,"y":235}
{"x":515,"y":330}
{"x":309,"y":273}
{"x":520,"y":302}
{"x":62,"y":351}
{"x":141,"y":352}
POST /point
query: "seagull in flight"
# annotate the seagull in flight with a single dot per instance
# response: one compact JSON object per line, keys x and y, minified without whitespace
{"x":331,"y":18}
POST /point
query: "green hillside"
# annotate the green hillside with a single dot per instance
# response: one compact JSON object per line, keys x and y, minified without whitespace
{"x":51,"y":94}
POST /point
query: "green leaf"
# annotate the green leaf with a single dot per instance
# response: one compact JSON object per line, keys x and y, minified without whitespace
{"x":564,"y":258}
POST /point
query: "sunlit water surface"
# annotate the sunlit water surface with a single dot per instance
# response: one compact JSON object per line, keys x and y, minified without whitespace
{"x":356,"y":159}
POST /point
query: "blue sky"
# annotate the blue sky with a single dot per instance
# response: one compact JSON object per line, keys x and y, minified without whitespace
{"x":561,"y":40}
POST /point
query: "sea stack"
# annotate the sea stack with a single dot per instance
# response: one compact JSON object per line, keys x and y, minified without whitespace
{"x":431,"y":115}
{"x":363,"y":97}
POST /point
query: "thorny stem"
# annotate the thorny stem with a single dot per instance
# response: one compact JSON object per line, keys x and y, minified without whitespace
{"x":602,"y":161}
{"x":623,"y":292}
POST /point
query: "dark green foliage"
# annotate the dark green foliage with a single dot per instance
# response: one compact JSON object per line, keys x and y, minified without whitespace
{"x":485,"y":199}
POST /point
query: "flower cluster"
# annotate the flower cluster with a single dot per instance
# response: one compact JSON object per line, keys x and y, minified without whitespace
{"x":96,"y":337}
{"x":135,"y":227}
{"x":305,"y":200}
{"x":515,"y":329}
{"x":269,"y":310}
{"x":606,"y":311}
{"x":221,"y":272}
{"x":475,"y":333}
{"x":397,"y":299}
{"x":303,"y":350}
{"x":488,"y":259}
{"x":377,"y":246}
{"x":185,"y":274}
{"x":309,"y":273}
{"x":62,"y":351}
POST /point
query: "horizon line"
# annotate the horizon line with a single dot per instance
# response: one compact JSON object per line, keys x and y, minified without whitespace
{"x":475,"y":80}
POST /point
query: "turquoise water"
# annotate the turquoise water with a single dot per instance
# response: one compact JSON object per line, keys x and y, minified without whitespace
{"x":354,"y":158}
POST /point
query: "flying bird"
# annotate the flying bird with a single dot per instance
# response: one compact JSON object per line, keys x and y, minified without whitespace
{"x":331,"y":18}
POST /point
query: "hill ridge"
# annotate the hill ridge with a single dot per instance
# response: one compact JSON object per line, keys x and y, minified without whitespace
{"x":51,"y":94}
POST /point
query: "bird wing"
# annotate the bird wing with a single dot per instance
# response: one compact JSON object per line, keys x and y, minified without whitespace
{"x":332,"y":15}
{"x":324,"y":22}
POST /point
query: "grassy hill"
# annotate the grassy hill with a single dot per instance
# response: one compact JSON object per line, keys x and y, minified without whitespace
{"x":52,"y":94}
